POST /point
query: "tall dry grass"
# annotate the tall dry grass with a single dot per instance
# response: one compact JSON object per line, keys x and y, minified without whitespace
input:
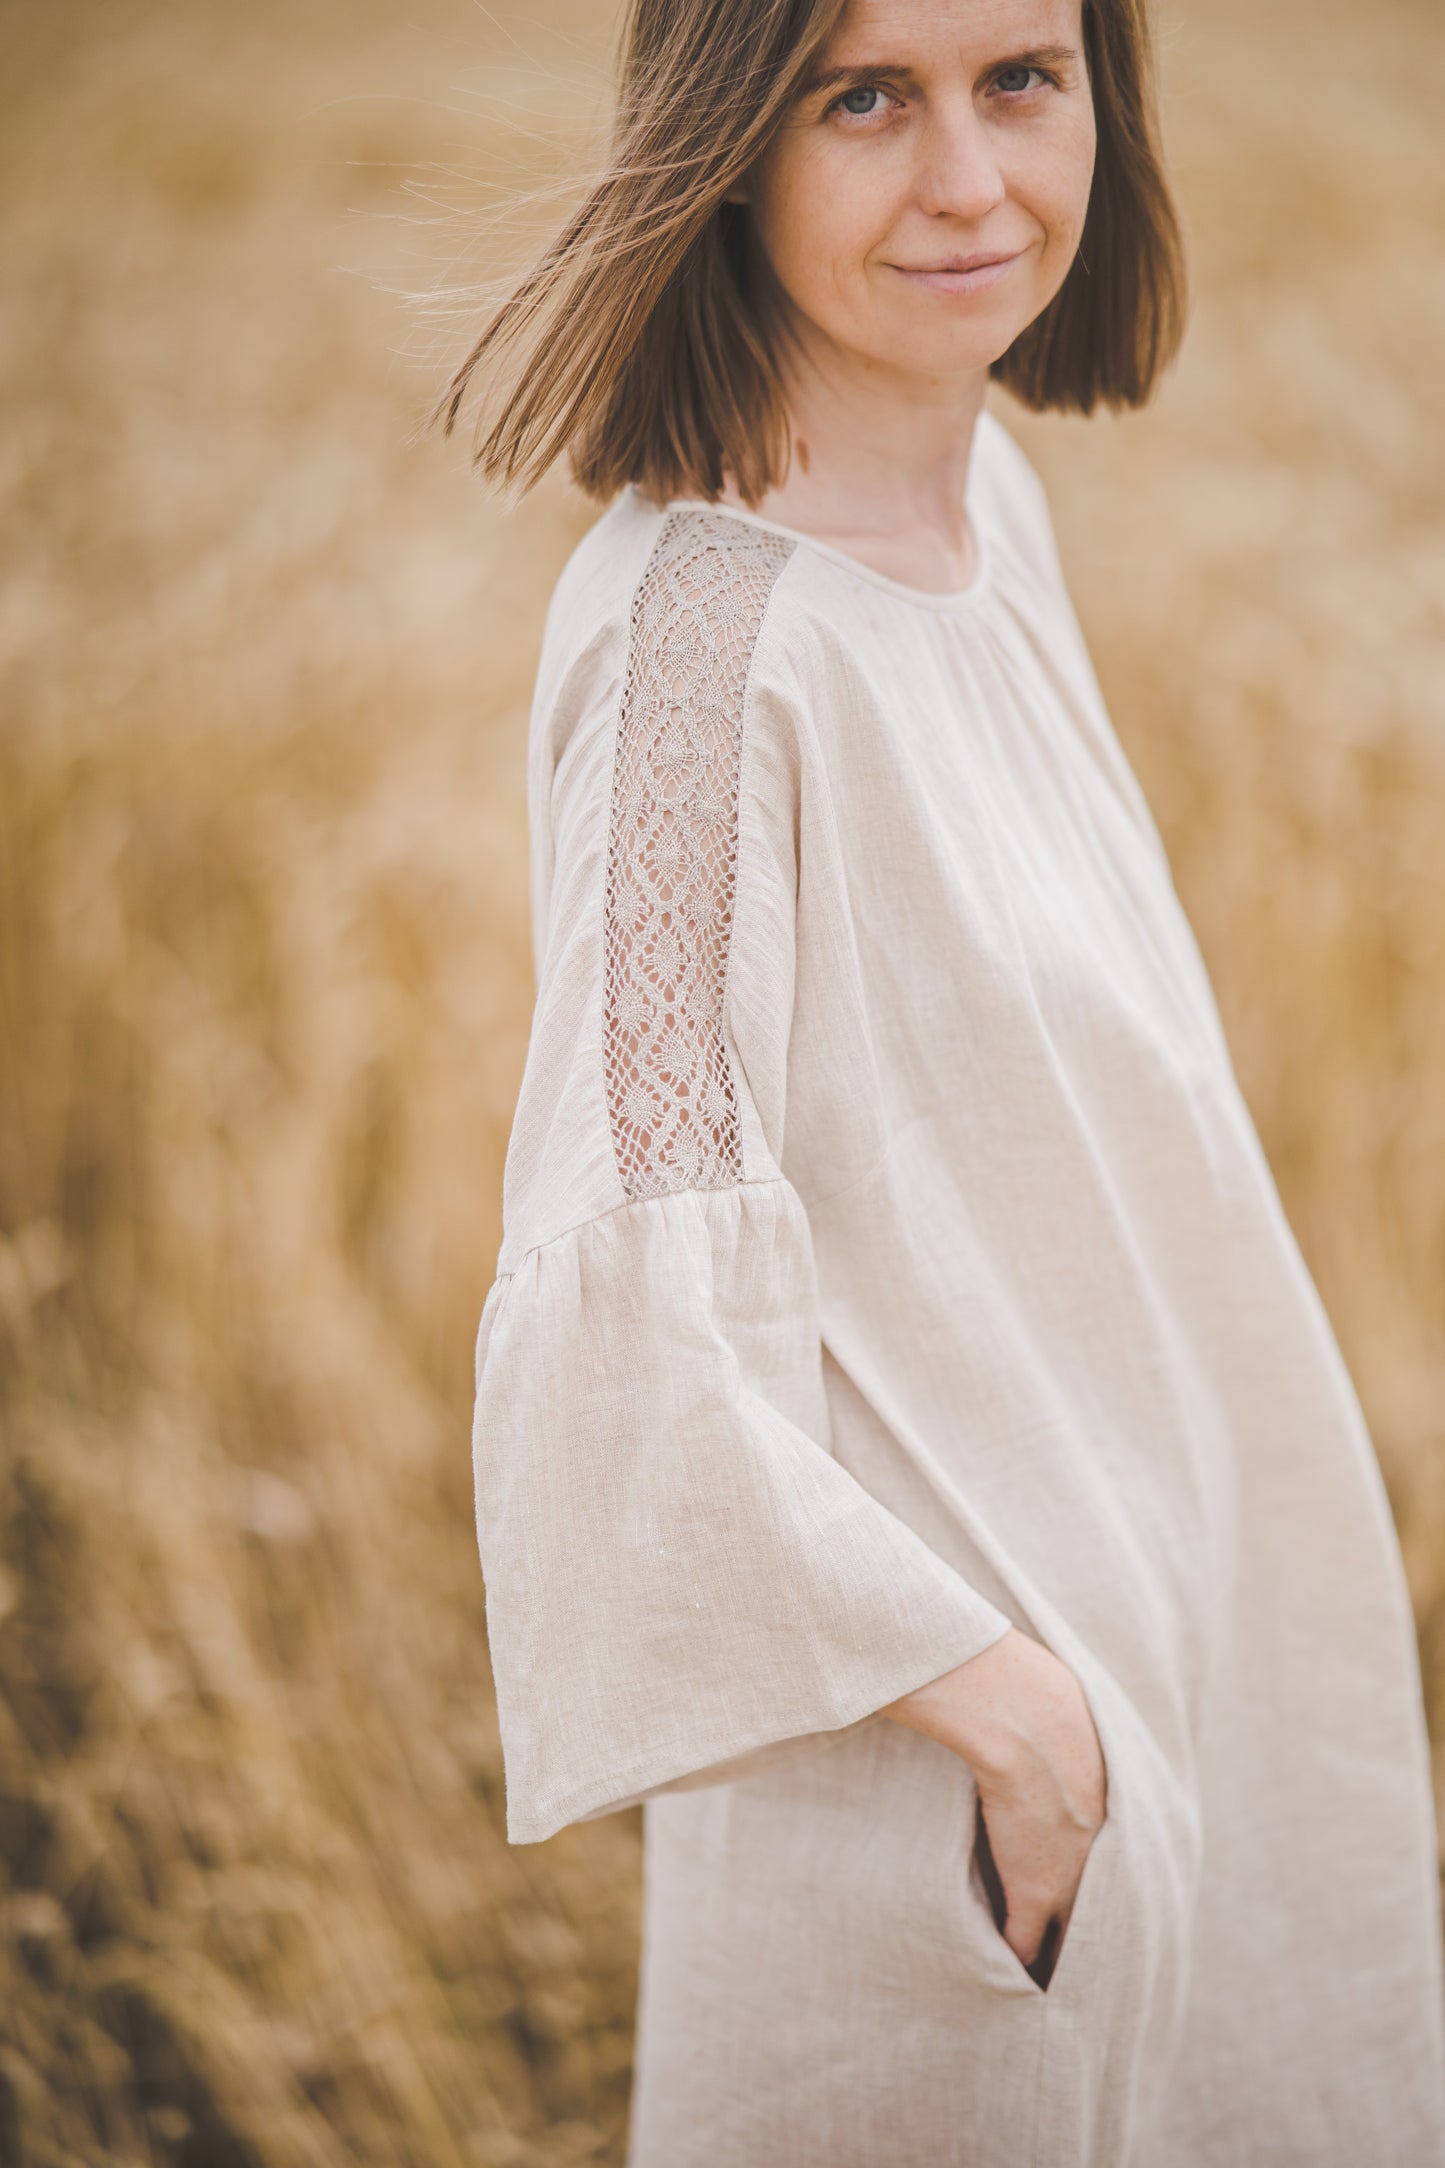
{"x":264,"y":988}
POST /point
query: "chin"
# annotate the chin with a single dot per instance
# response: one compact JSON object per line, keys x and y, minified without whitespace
{"x":918,"y":354}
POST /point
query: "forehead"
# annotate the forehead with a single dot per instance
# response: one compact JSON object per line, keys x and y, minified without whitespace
{"x":901,"y":30}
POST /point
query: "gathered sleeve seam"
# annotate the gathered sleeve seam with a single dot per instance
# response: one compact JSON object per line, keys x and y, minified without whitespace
{"x":632,"y":1204}
{"x":774,"y":1180}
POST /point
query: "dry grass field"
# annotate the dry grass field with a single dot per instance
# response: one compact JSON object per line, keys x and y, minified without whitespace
{"x":264,"y":982}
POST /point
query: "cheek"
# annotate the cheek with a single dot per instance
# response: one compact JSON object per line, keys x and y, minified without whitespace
{"x":1060,"y":187}
{"x":818,"y":216}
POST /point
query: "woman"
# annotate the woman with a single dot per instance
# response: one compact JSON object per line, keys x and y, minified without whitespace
{"x":910,"y":1452}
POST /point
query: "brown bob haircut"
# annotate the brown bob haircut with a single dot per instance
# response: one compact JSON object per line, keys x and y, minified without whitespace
{"x":643,"y":342}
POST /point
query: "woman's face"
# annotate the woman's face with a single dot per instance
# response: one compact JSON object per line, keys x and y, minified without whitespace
{"x":925,"y":198}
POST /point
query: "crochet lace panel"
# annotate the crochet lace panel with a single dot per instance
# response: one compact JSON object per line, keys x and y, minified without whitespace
{"x":672,"y":851}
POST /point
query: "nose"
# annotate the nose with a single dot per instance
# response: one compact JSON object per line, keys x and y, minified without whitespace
{"x":958,"y":171}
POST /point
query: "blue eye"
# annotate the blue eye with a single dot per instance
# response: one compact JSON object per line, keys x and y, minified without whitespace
{"x":859,"y":100}
{"x":1013,"y":80}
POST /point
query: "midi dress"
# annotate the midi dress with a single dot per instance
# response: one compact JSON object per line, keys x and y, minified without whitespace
{"x":890,"y":1258}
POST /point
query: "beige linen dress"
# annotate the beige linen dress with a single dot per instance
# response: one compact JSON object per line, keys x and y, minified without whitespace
{"x":889,"y":1256}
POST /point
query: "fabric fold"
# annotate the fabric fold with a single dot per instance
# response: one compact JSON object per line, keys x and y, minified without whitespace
{"x":680,"y":1576}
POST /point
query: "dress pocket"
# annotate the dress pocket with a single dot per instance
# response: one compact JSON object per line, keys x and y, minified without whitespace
{"x":1044,"y":1971}
{"x":1095,"y":2044}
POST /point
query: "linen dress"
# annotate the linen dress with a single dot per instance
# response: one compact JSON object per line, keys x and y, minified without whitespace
{"x":890,"y":1258}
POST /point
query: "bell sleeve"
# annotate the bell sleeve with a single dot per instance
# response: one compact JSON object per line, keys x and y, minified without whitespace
{"x":682,"y":1581}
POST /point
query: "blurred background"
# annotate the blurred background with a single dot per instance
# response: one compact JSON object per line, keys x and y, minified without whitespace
{"x":265,"y":658}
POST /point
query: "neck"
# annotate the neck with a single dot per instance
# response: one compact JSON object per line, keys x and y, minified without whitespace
{"x":879,"y":465}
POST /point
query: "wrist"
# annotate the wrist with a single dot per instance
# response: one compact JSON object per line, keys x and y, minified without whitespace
{"x":972,"y":1710}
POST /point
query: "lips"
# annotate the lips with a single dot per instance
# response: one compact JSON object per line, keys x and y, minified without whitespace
{"x":960,"y":274}
{"x":961,"y":263}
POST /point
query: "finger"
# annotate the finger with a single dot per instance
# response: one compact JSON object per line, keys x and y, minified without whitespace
{"x":1025,"y":1930}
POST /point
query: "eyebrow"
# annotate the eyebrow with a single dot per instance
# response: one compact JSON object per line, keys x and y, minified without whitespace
{"x":1038,"y":56}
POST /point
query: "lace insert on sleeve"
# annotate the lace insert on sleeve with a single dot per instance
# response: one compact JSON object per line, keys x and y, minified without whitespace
{"x":672,"y":851}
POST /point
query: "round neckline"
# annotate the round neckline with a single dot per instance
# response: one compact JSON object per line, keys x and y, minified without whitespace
{"x":947,"y":599}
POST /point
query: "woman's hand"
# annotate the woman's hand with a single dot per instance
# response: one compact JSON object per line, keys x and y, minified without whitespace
{"x":1019,"y":1719}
